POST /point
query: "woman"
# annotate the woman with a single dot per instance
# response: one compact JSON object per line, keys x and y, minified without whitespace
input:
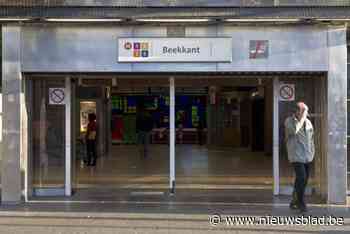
{"x":90,"y":138}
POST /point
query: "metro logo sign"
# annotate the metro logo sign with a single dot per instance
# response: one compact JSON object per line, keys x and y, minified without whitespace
{"x":127,"y":45}
{"x":139,"y":49}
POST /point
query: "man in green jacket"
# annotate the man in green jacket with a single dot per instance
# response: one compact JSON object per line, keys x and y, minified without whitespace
{"x":299,"y":134}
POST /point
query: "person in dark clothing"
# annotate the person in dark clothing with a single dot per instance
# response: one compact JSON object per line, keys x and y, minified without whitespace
{"x":200,"y":127}
{"x":144,"y":126}
{"x":90,"y":138}
{"x":181,"y":124}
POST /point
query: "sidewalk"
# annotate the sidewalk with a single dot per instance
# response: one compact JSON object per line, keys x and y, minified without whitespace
{"x":187,"y":212}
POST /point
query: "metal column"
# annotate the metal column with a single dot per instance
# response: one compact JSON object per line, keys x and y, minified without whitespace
{"x":276,"y":176}
{"x":337,"y":116}
{"x":28,"y":131}
{"x":11,"y":179}
{"x":68,"y":172}
{"x":172,"y":135}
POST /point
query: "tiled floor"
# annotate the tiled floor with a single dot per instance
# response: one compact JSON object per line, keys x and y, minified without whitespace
{"x":196,"y":167}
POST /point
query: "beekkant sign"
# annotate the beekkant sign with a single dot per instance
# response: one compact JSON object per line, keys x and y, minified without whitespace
{"x":174,"y":50}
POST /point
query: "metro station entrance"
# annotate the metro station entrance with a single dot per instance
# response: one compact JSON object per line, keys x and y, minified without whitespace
{"x":222,"y":131}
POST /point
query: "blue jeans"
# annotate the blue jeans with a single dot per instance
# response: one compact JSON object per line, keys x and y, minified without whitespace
{"x":143,"y":141}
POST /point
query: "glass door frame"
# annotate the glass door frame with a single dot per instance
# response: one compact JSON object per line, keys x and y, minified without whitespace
{"x":68,"y":141}
{"x":29,"y":189}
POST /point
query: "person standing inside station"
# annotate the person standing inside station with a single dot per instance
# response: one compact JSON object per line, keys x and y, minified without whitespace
{"x":299,"y":134}
{"x":90,"y":138}
{"x":144,"y":126}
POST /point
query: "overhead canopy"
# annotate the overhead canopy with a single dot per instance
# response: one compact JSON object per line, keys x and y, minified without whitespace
{"x":178,"y":12}
{"x":173,"y":3}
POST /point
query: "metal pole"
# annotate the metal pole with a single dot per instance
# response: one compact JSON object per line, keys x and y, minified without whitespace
{"x":68,"y":176}
{"x":276,"y":178}
{"x":172,"y":135}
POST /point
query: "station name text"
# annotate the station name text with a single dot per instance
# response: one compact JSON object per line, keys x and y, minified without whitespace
{"x":181,"y":50}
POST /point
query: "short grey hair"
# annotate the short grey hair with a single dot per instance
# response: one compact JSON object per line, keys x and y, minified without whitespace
{"x":300,"y":105}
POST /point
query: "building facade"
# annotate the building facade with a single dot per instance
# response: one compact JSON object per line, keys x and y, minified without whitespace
{"x":239,"y":65}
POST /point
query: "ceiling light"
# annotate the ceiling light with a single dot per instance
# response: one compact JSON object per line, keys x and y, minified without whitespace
{"x":320,"y":19}
{"x":14,"y":19}
{"x":172,"y":20}
{"x":262,"y":20}
{"x":82,"y":20}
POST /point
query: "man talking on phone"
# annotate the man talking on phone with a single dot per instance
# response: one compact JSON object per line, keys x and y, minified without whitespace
{"x":299,"y":135}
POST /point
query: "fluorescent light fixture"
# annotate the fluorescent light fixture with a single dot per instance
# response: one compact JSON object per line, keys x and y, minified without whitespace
{"x":320,"y":19}
{"x":162,"y":20}
{"x":14,"y":19}
{"x":262,"y":20}
{"x":82,"y":20}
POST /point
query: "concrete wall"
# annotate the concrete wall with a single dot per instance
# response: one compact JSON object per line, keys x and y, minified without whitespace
{"x":94,"y":49}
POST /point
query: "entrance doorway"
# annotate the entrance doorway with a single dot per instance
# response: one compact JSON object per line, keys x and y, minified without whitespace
{"x":223,"y":134}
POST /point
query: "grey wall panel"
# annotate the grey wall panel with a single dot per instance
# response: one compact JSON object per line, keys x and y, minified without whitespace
{"x":204,"y":31}
{"x":94,"y":49}
{"x":149,"y":31}
{"x":79,"y":49}
{"x":290,"y":49}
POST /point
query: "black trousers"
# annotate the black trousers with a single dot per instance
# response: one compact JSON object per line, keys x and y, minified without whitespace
{"x":302,"y":172}
{"x":91,"y":151}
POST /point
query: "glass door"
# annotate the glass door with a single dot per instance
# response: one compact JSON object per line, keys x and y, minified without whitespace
{"x":49,"y":137}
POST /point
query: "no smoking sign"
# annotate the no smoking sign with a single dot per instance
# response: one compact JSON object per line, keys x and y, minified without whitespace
{"x":56,"y":96}
{"x":287,"y":92}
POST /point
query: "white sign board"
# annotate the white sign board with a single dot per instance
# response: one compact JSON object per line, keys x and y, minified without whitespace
{"x":287,"y":92}
{"x":56,"y":96}
{"x":175,"y":49}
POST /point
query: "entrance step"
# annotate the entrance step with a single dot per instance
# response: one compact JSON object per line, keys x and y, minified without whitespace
{"x":147,"y":193}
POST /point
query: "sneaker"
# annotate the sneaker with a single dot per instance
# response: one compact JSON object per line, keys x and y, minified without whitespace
{"x":293,"y":206}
